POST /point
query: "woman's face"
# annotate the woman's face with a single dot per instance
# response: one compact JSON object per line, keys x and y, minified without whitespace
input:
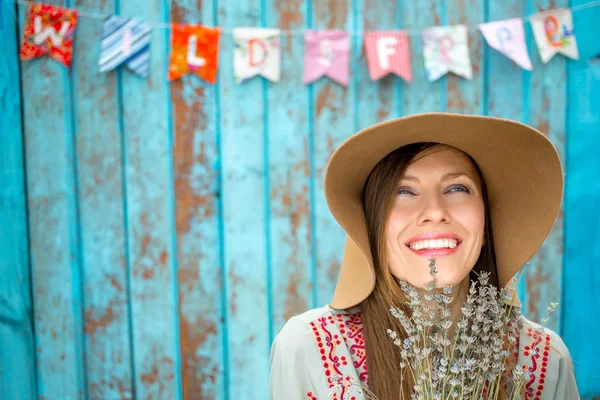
{"x":438,"y":212}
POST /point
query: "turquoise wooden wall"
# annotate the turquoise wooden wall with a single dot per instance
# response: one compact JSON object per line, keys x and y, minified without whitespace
{"x":155,"y":236}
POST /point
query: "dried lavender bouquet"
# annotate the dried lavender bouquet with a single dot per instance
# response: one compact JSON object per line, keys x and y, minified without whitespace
{"x":469,"y":361}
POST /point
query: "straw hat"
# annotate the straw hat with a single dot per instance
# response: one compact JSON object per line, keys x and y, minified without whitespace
{"x":520,"y":166}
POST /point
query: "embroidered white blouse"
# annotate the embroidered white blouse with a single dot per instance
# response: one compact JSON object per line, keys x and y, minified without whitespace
{"x":320,"y":355}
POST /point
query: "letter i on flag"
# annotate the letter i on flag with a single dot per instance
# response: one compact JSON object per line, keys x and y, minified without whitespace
{"x":553,"y":32}
{"x":257,"y":51}
{"x":125,"y":40}
{"x":508,"y":37}
{"x":194,"y":48}
{"x":388,"y":52}
{"x":326,"y":53}
{"x":49,"y":30}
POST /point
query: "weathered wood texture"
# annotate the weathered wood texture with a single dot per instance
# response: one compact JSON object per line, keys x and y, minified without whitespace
{"x":17,"y":348}
{"x":175,"y":226}
{"x":581,"y":279}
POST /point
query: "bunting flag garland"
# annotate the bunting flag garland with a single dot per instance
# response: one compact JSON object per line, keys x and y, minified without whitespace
{"x":257,"y":52}
{"x":49,"y":30}
{"x":388,"y":51}
{"x":553,"y":34}
{"x":326,"y":53}
{"x":194,"y":48}
{"x":445,"y":49}
{"x":125,"y":40}
{"x":508,"y":37}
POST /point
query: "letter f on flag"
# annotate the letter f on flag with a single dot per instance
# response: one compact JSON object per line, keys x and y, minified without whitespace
{"x":388,"y":51}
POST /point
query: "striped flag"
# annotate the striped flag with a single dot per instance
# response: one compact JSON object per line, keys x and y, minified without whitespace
{"x":388,"y":51}
{"x":125,"y":40}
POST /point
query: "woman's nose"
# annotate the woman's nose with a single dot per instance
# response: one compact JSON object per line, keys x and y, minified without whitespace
{"x":434,"y":211}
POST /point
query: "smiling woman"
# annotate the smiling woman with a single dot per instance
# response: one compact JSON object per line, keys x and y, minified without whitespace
{"x":453,"y":196}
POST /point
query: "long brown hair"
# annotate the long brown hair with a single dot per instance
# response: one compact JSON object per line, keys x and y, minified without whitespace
{"x":383,"y":359}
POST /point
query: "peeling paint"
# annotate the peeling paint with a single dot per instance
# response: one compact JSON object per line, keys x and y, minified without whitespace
{"x":290,"y":17}
{"x":93,"y":321}
{"x":456,"y":102}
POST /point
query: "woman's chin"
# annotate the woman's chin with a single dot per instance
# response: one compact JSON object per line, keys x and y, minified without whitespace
{"x":441,"y":281}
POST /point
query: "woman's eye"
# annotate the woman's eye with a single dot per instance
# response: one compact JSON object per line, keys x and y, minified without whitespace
{"x":404,"y":191}
{"x":459,"y":188}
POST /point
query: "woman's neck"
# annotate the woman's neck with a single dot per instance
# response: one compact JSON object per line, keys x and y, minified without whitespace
{"x":458,"y":294}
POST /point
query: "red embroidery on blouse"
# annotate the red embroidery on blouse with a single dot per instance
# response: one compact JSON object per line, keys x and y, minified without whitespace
{"x":539,"y":363}
{"x":327,"y":342}
{"x":351,"y":331}
{"x":351,"y":328}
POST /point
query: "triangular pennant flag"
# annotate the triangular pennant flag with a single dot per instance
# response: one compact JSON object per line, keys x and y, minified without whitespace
{"x":445,"y":49}
{"x":508,"y":37}
{"x":257,"y":51}
{"x":194,"y":48}
{"x":388,"y":51}
{"x":326,"y":53}
{"x":553,"y":32}
{"x":125,"y":40}
{"x":49,"y":30}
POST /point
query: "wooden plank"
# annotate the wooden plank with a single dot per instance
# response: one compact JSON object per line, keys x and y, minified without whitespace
{"x":582,"y":196}
{"x":196,"y":158}
{"x":547,"y":105}
{"x":54,"y":244}
{"x":376,"y":100}
{"x":17,"y":346}
{"x":332,"y":110}
{"x":288,"y":146}
{"x":245,"y":203}
{"x":506,"y":83}
{"x":421,"y":95}
{"x":463,"y":95}
{"x":100,"y":181}
{"x":503,"y":95}
{"x":150,"y":216}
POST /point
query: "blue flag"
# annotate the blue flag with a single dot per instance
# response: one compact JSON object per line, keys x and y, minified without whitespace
{"x":125,"y":40}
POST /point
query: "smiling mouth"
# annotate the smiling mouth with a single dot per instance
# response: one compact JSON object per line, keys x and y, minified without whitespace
{"x":434,"y":244}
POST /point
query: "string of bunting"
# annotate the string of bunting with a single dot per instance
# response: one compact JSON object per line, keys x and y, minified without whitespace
{"x":50,"y":30}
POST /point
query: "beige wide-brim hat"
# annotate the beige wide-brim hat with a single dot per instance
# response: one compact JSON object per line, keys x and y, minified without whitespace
{"x":520,"y":166}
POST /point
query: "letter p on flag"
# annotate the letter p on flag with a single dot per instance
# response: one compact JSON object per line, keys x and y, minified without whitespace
{"x":388,"y":51}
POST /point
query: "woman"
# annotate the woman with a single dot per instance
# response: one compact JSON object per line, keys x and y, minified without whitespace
{"x":475,"y":194}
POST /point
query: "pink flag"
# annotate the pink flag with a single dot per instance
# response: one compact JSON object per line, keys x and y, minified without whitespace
{"x":508,"y":37}
{"x":388,"y":51}
{"x":326,"y":53}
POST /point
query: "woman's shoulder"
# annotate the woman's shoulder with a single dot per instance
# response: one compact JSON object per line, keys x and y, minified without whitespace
{"x":299,"y":328}
{"x":541,"y":336}
{"x":544,"y":353}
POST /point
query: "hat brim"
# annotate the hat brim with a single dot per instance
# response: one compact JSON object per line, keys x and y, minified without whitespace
{"x":520,"y":166}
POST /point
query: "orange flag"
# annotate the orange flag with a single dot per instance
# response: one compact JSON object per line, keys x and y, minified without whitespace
{"x":194,"y":48}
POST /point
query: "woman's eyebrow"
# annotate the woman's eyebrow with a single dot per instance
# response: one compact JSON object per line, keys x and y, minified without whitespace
{"x":453,"y":175}
{"x":450,"y":175}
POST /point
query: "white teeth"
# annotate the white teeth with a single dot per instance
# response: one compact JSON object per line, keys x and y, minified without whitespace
{"x":434,"y":244}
